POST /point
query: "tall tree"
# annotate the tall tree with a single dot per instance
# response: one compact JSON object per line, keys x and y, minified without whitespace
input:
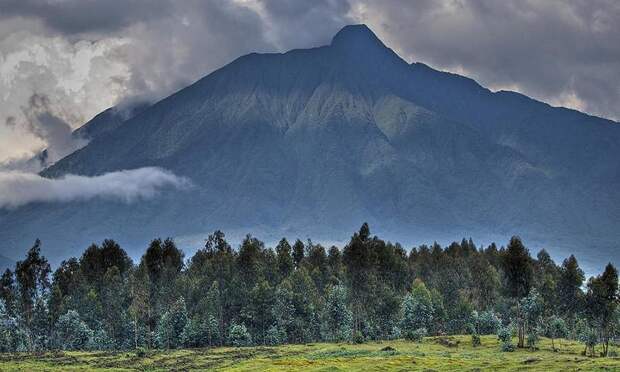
{"x":8,"y":291}
{"x":298,"y":252}
{"x":285,"y":260}
{"x":517,"y":266}
{"x":570,"y":295}
{"x":33,"y":282}
{"x":602,"y":302}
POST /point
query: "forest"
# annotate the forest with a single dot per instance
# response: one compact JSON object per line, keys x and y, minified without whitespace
{"x":301,"y":293}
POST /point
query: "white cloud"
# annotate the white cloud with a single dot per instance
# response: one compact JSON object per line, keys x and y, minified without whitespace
{"x":18,"y":188}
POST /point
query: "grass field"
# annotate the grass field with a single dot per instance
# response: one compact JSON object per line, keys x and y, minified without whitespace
{"x":373,"y":356}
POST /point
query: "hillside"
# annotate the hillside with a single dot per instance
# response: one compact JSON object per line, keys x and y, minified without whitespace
{"x":428,"y":356}
{"x":319,"y":140}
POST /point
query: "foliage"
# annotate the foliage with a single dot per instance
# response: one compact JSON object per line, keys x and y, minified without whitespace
{"x":238,"y":335}
{"x":337,"y":318}
{"x":71,"y":333}
{"x":304,"y":293}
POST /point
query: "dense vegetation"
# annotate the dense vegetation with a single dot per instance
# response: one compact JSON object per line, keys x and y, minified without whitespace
{"x":301,"y":293}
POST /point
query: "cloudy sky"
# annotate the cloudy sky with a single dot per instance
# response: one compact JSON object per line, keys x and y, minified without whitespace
{"x":63,"y":61}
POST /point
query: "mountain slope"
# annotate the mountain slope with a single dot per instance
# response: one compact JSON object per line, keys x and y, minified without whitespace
{"x":313,"y":142}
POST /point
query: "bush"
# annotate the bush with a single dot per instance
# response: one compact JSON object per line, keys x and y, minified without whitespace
{"x":508,"y":347}
{"x":275,"y":336}
{"x":71,"y":333}
{"x":504,"y":334}
{"x":140,"y":352}
{"x":416,"y":335}
{"x":475,"y":340}
{"x":487,"y":323}
{"x":589,"y":337}
{"x":358,"y":338}
{"x":238,"y":335}
{"x":532,"y":340}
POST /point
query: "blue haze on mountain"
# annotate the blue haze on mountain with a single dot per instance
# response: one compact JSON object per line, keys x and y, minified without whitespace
{"x":311,"y":143}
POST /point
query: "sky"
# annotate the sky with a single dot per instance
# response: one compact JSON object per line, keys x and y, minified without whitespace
{"x":64,"y":61}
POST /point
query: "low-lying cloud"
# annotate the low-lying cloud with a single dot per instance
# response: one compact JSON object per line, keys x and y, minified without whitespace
{"x":18,"y":188}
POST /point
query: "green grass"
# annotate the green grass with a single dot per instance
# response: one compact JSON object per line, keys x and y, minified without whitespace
{"x":406,"y":356}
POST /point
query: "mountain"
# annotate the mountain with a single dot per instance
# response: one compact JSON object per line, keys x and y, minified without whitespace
{"x":313,"y":142}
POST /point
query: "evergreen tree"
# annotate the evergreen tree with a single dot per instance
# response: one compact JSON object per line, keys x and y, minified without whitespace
{"x":33,"y":282}
{"x":284,"y":315}
{"x":417,"y":310}
{"x":298,"y":252}
{"x":171,"y":325}
{"x":556,"y":328}
{"x":516,"y":263}
{"x":72,"y":333}
{"x":8,"y":291}
{"x":285,"y":260}
{"x":12,"y":336}
{"x":532,"y":308}
{"x":238,"y":335}
{"x":337,"y":318}
{"x":259,"y":313}
{"x":570,"y":295}
{"x":602,"y":301}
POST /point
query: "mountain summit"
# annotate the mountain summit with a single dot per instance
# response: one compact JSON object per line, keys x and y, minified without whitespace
{"x":357,"y":37}
{"x":317,"y":141}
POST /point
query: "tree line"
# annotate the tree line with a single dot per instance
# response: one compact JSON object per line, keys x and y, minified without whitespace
{"x":254,"y":295}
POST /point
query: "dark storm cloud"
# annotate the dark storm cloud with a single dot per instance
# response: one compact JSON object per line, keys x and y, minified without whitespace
{"x":78,"y":16}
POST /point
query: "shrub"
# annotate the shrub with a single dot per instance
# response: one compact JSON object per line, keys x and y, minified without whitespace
{"x":487,"y":323}
{"x":532,"y":339}
{"x":358,"y":338}
{"x":504,"y":334}
{"x":238,"y":335}
{"x":140,"y":352}
{"x":71,"y":333}
{"x":508,"y":347}
{"x":475,"y":340}
{"x":416,"y":335}
{"x":275,"y":336}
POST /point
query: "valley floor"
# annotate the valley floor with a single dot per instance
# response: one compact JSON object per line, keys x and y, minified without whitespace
{"x":373,"y":356}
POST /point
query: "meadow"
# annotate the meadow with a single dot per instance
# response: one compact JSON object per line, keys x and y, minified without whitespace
{"x":396,"y":355}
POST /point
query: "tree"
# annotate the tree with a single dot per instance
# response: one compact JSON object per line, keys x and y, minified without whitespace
{"x":238,"y":335}
{"x":71,"y":332}
{"x":504,"y":334}
{"x":337,"y":318}
{"x":33,"y":281}
{"x":12,"y":336}
{"x":358,"y":259}
{"x":556,"y":328}
{"x":602,"y":301}
{"x":8,"y":291}
{"x":516,"y":263}
{"x":284,"y":314}
{"x":259,"y":313}
{"x":486,"y":322}
{"x":417,"y":310}
{"x":570,"y":295}
{"x":532,"y":308}
{"x":298,"y":252}
{"x":285,"y":260}
{"x":171,"y":325}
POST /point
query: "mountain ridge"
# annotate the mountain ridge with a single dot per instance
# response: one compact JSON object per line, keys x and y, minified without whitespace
{"x":279,"y":141}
